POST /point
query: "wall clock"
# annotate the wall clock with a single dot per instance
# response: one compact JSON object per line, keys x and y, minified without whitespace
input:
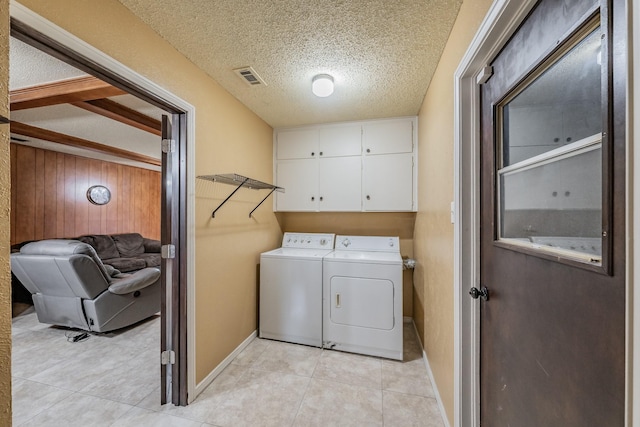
{"x":99,"y":195}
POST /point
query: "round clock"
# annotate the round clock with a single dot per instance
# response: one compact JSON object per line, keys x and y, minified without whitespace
{"x":99,"y":195}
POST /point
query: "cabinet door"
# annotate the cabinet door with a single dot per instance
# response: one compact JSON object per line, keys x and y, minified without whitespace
{"x":387,"y":182}
{"x":297,"y":144}
{"x":340,"y":140}
{"x":388,"y":136}
{"x":299,"y":178}
{"x":340,"y":184}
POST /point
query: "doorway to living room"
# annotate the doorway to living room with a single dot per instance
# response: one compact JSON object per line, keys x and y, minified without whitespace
{"x":34,"y":31}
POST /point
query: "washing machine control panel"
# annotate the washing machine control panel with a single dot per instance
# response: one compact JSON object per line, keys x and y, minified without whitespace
{"x":308,"y":240}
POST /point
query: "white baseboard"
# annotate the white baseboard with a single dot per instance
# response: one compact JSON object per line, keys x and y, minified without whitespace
{"x":226,"y":362}
{"x":443,"y":413}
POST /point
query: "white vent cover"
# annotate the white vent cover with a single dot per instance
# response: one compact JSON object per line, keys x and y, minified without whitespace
{"x":249,"y":76}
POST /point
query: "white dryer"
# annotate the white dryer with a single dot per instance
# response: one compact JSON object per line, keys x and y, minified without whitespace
{"x":291,"y":288}
{"x":362,"y":288}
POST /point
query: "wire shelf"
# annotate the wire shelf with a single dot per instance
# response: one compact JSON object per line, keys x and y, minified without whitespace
{"x":240,"y":181}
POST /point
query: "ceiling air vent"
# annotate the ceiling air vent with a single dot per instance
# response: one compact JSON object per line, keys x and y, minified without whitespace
{"x":249,"y":76}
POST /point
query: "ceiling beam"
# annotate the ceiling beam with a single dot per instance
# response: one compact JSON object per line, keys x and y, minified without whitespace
{"x":59,"y":138}
{"x":62,"y":92}
{"x":122,"y":114}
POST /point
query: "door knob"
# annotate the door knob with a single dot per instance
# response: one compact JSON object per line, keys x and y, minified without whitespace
{"x":482,"y":293}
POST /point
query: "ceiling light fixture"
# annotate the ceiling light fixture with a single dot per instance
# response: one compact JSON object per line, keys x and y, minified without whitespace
{"x":322,"y":85}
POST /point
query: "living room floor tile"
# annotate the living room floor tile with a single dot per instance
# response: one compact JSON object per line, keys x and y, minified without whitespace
{"x":79,"y":410}
{"x":31,"y":398}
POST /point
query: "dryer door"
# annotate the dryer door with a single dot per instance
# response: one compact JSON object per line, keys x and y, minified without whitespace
{"x":362,"y":302}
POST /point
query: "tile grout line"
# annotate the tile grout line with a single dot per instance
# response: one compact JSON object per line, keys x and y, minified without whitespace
{"x":307,"y":388}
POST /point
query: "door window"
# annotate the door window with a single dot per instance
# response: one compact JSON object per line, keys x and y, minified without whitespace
{"x":549,"y":177}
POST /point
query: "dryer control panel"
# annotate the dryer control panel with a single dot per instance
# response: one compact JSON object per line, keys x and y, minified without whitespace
{"x":368,"y":243}
{"x":308,"y":240}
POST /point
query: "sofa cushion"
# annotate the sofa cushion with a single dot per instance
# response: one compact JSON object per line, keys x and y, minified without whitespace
{"x":151,"y":246}
{"x":129,"y":245}
{"x":103,"y":244}
{"x":152,"y":260}
{"x":126,"y":264}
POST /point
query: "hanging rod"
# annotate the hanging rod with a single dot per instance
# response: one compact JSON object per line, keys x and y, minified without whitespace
{"x":240,"y":181}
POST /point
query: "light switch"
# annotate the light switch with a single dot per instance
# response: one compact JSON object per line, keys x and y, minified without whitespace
{"x":453,"y":213}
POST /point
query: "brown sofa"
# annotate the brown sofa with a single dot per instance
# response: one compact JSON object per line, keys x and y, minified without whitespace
{"x":125,"y":252}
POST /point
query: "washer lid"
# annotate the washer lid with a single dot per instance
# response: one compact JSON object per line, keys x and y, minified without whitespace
{"x":297,"y":253}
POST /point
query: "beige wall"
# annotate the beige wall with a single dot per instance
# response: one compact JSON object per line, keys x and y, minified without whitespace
{"x":433,"y":236}
{"x":229,"y":138}
{"x":5,"y":203}
{"x":360,"y":223}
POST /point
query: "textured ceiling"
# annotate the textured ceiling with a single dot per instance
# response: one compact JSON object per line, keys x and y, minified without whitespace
{"x":32,"y":67}
{"x":382,"y":54}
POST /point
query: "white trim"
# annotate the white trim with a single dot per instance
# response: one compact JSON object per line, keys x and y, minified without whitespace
{"x":72,"y":42}
{"x":443,"y":412}
{"x":500,"y":22}
{"x":202,"y":385}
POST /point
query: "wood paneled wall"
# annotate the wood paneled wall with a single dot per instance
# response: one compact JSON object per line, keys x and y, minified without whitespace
{"x":49,"y":196}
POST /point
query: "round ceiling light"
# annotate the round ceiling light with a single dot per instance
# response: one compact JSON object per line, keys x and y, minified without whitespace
{"x":322,"y":85}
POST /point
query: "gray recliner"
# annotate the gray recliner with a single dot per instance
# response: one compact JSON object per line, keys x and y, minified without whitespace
{"x":72,"y":287}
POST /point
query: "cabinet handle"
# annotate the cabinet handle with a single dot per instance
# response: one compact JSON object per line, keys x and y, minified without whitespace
{"x":368,"y":150}
{"x":313,"y":198}
{"x":337,"y":300}
{"x":320,"y":198}
{"x":368,"y":197}
{"x":313,"y":153}
{"x":321,"y":153}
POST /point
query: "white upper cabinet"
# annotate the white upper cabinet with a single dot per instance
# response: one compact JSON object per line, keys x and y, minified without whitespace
{"x":340,"y":140}
{"x":340,"y":184}
{"x":387,"y":182}
{"x":297,"y":144}
{"x":355,"y":166}
{"x":388,"y":136}
{"x":299,"y":178}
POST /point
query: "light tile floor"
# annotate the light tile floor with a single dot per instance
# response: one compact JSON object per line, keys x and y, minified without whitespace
{"x":113,"y":380}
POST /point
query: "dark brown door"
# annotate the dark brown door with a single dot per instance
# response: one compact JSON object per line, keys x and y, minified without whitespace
{"x":552,"y":226}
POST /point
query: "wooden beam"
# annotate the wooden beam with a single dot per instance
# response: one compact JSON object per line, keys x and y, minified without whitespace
{"x":59,"y":138}
{"x":122,"y":114}
{"x":63,"y":92}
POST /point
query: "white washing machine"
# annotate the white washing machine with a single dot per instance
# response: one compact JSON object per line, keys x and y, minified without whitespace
{"x":291,"y":288}
{"x":362,"y":288}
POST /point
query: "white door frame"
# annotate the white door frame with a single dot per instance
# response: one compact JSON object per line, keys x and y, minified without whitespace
{"x":501,"y":21}
{"x":77,"y":45}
